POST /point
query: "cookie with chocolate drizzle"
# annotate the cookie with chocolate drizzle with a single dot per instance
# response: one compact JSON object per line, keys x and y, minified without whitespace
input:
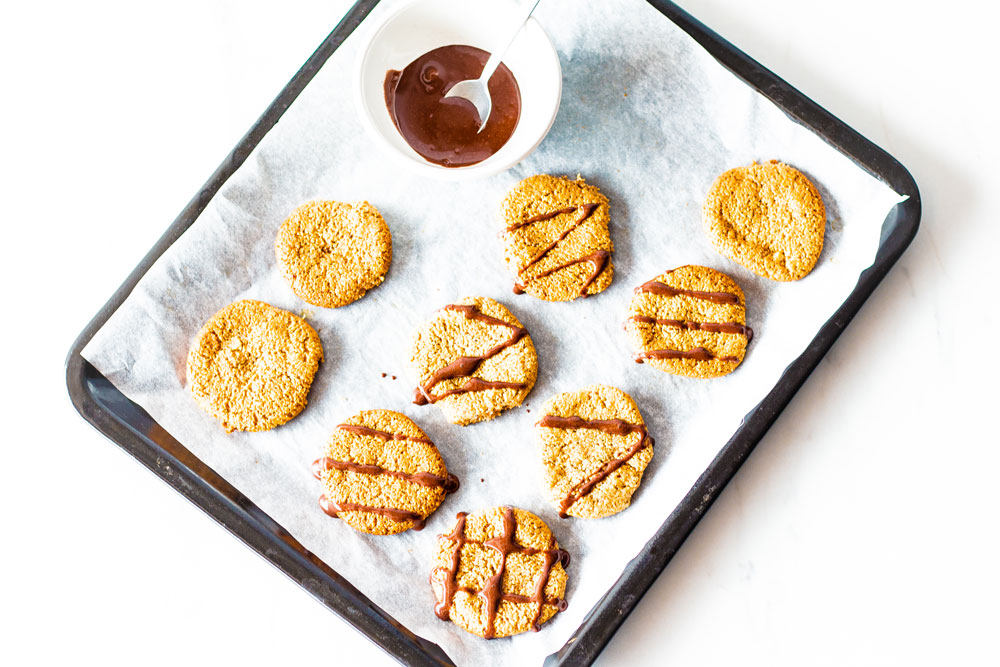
{"x":689,"y":321}
{"x":595,"y":448}
{"x":474,"y":360}
{"x":498,"y":573}
{"x":556,"y":238}
{"x":381,"y":474}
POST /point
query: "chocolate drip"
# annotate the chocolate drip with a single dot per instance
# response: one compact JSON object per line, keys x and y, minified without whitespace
{"x":472,"y":384}
{"x":466,"y":366}
{"x":716,"y":327}
{"x":698,"y":354}
{"x":492,"y":592}
{"x":358,"y":429}
{"x":443,"y":607}
{"x":543,"y":216}
{"x":661,"y":289}
{"x":332,"y":508}
{"x":450,"y":483}
{"x":610,"y":426}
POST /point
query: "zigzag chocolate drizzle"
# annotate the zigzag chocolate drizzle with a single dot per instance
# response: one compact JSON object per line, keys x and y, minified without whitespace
{"x":612,"y":426}
{"x":492,"y":592}
{"x":466,"y":366}
{"x":599,"y":258}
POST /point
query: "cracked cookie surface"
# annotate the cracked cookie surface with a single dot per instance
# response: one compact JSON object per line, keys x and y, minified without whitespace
{"x":689,"y":321}
{"x":252,"y":364}
{"x":768,"y":217}
{"x":556,"y":238}
{"x":331,"y":253}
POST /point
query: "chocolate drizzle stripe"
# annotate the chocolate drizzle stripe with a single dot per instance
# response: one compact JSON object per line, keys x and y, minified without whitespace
{"x":541,"y":217}
{"x":333,"y":508}
{"x":466,"y":366}
{"x":610,"y":426}
{"x":450,"y":483}
{"x":661,"y":289}
{"x":358,"y":429}
{"x":714,"y":327}
{"x":492,"y":593}
{"x":697,"y":353}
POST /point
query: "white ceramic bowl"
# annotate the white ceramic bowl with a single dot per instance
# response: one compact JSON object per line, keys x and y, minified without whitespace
{"x":415,"y":28}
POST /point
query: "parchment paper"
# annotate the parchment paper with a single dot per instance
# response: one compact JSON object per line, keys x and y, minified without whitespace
{"x":647,"y":116}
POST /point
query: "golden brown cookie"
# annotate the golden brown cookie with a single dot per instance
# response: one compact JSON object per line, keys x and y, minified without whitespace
{"x":594,"y":449}
{"x":252,"y":364}
{"x":382,"y":474}
{"x":769,"y":218}
{"x":498,"y":573}
{"x":689,"y":321}
{"x":474,"y":359}
{"x":556,"y":238}
{"x":332,"y":253}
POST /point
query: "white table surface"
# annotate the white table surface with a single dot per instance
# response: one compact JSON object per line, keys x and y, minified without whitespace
{"x":863,"y":530}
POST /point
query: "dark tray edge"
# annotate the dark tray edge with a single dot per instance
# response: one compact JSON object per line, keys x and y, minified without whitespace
{"x":250,"y":525}
{"x":898,"y":231}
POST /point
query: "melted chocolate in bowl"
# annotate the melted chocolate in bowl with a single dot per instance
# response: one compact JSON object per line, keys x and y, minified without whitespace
{"x":444,"y":131}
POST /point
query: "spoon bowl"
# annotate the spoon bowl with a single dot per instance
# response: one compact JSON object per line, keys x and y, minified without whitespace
{"x":400,"y":35}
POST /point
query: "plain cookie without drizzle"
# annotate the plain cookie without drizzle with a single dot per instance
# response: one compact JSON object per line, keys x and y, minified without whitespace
{"x":474,"y":360}
{"x":381,"y":474}
{"x":332,"y":253}
{"x":252,"y":364}
{"x":595,"y":448}
{"x":689,"y":321}
{"x":556,"y":238}
{"x":768,"y":217}
{"x":498,"y":573}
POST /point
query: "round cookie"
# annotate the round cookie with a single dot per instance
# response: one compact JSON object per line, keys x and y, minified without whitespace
{"x":768,"y":217}
{"x":689,"y":321}
{"x":474,"y":359}
{"x":252,"y":364}
{"x":332,"y":253}
{"x":382,"y":474}
{"x":595,"y":448}
{"x":556,"y":239}
{"x":498,"y":573}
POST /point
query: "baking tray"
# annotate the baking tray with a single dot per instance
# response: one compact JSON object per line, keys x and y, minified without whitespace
{"x":127,"y":424}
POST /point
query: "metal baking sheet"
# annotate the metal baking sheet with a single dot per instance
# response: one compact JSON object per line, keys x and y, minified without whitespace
{"x":134,"y":430}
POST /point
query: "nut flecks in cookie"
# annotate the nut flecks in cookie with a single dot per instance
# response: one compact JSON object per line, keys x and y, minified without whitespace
{"x":690,"y":321}
{"x":498,"y":573}
{"x":473,"y":359}
{"x":556,"y":238}
{"x":768,"y":217}
{"x":381,"y":474}
{"x":331,"y":253}
{"x":595,"y":447}
{"x":251,"y":365}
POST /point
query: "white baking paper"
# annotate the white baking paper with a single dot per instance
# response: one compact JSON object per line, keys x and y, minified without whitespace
{"x":647,"y":116}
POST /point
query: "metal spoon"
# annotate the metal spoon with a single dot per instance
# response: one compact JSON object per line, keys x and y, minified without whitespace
{"x":477,"y":91}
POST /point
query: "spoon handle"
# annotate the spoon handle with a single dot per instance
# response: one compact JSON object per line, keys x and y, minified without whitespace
{"x":497,"y":56}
